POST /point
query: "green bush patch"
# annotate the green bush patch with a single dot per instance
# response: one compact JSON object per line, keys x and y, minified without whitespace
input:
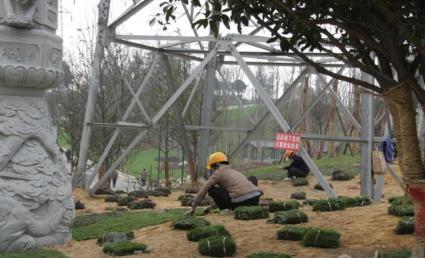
{"x":401,"y":211}
{"x":318,"y":237}
{"x":395,"y":254}
{"x":217,"y":246}
{"x":299,"y":181}
{"x":124,"y":248}
{"x":207,"y":231}
{"x":328,"y":205}
{"x":283,"y":206}
{"x":406,"y":225}
{"x":96,"y":225}
{"x":251,"y":212}
{"x":268,"y":255}
{"x":37,"y":253}
{"x":292,"y":233}
{"x":290,"y":217}
{"x":189,"y":222}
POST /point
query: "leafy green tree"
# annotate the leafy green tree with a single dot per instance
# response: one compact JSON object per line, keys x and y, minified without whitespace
{"x":383,"y":38}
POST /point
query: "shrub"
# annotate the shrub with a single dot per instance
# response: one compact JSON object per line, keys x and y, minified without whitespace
{"x":292,"y":233}
{"x":400,"y":210}
{"x":251,"y":212}
{"x":217,"y":246}
{"x":206,"y":231}
{"x":124,"y":248}
{"x":283,"y":205}
{"x":318,"y":237}
{"x":406,"y":225}
{"x":299,"y":181}
{"x":328,"y":205}
{"x":268,"y":255}
{"x":290,"y":217}
{"x":187,"y":223}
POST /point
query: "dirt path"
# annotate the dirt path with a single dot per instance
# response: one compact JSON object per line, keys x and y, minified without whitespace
{"x":363,"y":229}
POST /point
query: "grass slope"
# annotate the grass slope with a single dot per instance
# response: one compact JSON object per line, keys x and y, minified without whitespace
{"x":96,"y":225}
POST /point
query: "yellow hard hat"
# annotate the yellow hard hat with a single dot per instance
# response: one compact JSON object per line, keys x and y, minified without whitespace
{"x":217,"y":157}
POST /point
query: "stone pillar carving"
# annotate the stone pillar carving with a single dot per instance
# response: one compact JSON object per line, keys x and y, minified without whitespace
{"x":36,"y":206}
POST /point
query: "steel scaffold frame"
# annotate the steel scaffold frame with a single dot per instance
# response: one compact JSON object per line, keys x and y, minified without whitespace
{"x":224,"y":47}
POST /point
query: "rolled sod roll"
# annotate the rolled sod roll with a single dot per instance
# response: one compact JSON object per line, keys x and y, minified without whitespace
{"x":349,"y":202}
{"x":399,"y":200}
{"x":251,"y":212}
{"x":290,"y":217}
{"x":217,"y":246}
{"x":339,"y":175}
{"x":401,"y":211}
{"x":187,"y":223}
{"x":283,"y":206}
{"x":112,"y":198}
{"x":124,"y":248}
{"x":299,"y":181}
{"x":406,"y":225}
{"x":206,"y":231}
{"x":395,"y":254}
{"x":268,"y":255}
{"x":292,"y":233}
{"x":298,"y":196}
{"x":328,"y":205}
{"x":321,"y":237}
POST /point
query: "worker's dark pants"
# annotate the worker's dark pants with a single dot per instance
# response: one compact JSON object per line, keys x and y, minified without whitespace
{"x":223,"y":200}
{"x":296,"y":172}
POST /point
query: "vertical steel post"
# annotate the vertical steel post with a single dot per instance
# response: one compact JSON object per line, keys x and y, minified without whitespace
{"x":367,"y":136}
{"x":101,"y":42}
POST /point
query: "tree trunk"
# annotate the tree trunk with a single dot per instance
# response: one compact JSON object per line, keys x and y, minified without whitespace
{"x":304,"y":125}
{"x":166,"y":153}
{"x":401,"y":106}
{"x":332,"y":122}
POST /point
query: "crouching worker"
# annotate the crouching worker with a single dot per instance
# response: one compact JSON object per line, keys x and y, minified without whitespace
{"x":227,"y":187}
{"x":297,"y":168}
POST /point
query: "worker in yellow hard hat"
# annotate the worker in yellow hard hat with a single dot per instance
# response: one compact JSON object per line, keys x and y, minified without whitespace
{"x":297,"y":168}
{"x":233,"y":188}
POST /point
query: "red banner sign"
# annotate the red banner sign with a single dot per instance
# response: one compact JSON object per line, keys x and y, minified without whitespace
{"x":288,"y":141}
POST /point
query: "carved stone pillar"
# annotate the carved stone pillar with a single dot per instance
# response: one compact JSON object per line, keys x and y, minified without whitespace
{"x":36,"y":206}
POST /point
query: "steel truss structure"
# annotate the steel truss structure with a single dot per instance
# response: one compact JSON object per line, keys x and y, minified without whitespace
{"x":217,"y":53}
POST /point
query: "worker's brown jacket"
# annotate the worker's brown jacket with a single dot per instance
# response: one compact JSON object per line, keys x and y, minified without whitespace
{"x":230,"y":180}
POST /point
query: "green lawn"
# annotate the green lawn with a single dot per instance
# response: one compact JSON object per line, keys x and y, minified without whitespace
{"x":96,"y":225}
{"x":39,"y":253}
{"x":326,"y":165}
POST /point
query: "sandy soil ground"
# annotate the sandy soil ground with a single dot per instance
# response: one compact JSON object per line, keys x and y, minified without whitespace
{"x":363,"y":229}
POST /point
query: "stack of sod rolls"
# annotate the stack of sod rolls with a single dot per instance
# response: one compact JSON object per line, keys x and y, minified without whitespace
{"x":124,"y":248}
{"x":292,"y":233}
{"x":187,"y":223}
{"x":283,"y":206}
{"x":310,"y":236}
{"x":290,"y":217}
{"x":251,"y":212}
{"x":299,"y":181}
{"x":207,"y":231}
{"x":328,"y":205}
{"x":401,"y":210}
{"x":321,"y":237}
{"x":349,"y":202}
{"x":217,"y":246}
{"x":406,"y":225}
